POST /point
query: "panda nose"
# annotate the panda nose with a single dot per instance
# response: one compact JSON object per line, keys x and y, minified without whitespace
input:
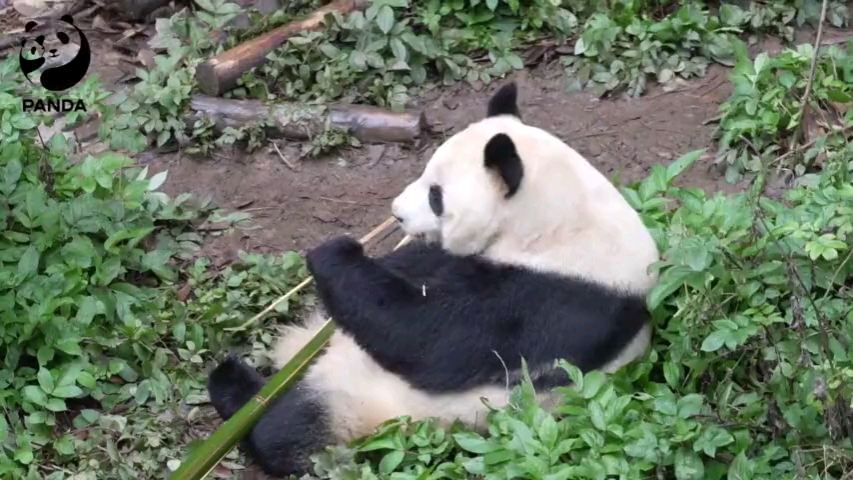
{"x":53,"y":50}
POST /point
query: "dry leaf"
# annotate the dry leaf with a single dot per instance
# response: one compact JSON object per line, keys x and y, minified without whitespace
{"x":146,"y":56}
{"x":840,"y":108}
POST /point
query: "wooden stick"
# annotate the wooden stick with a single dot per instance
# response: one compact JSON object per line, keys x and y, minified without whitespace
{"x":304,"y":283}
{"x":220,"y":73}
{"x":295,"y":121}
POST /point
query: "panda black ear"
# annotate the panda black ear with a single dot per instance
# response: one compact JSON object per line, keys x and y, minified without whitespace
{"x":30,"y":26}
{"x":504,"y":101}
{"x":501,"y":155}
{"x":67,"y":19}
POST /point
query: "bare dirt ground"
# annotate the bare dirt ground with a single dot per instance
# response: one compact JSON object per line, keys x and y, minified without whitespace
{"x":352,"y":193}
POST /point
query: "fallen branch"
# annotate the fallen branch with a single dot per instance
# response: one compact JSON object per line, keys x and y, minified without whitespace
{"x":295,"y":121}
{"x":220,"y":73}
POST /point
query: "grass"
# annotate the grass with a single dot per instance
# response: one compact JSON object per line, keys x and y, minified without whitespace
{"x":110,"y":321}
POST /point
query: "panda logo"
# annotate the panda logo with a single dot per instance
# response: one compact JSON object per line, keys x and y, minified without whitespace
{"x":65,"y":62}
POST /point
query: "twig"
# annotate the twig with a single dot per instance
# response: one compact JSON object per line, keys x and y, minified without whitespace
{"x":338,"y":200}
{"x":605,"y":133}
{"x":304,"y":283}
{"x":256,"y":209}
{"x":808,"y":145}
{"x":714,"y":119}
{"x":283,"y":158}
{"x":812,"y":68}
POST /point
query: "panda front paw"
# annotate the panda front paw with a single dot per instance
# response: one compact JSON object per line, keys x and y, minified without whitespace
{"x":337,"y":252}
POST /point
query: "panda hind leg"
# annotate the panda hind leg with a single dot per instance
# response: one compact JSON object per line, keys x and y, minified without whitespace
{"x":294,"y":427}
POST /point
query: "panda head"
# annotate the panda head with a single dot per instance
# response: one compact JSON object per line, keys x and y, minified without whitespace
{"x":469,"y":181}
{"x":497,"y":180}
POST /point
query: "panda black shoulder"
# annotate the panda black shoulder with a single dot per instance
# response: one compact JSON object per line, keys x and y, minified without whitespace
{"x":458,"y":322}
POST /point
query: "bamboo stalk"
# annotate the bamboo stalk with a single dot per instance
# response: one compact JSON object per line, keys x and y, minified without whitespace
{"x":205,"y":458}
{"x":304,"y":283}
{"x":404,"y":241}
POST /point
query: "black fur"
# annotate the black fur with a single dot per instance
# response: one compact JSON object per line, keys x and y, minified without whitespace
{"x":500,"y":155}
{"x":293,"y":428}
{"x":436,"y":200}
{"x":441,"y":322}
{"x":448,"y":324}
{"x":504,"y":102}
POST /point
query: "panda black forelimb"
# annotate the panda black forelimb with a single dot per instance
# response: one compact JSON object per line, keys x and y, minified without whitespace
{"x":477,"y":318}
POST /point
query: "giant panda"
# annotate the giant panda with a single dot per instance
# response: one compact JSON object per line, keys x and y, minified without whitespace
{"x":526,"y":251}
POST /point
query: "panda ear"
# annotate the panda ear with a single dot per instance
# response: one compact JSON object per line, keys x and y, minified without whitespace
{"x":501,"y":156}
{"x":504,"y":102}
{"x":30,"y":26}
{"x":67,"y":19}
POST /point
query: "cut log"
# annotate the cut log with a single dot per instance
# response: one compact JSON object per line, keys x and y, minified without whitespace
{"x":296,"y":121}
{"x":220,"y":73}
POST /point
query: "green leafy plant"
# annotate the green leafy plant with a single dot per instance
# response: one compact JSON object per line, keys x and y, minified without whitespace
{"x":625,"y":47}
{"x":764,"y":109}
{"x":87,"y":288}
{"x":154,"y":109}
{"x":781,"y":18}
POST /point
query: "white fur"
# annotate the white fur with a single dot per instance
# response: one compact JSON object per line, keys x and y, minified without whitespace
{"x":566,"y":218}
{"x":362,"y":394}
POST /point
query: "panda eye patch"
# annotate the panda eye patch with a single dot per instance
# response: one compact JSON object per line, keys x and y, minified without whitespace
{"x":63,"y":37}
{"x":436,"y":200}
